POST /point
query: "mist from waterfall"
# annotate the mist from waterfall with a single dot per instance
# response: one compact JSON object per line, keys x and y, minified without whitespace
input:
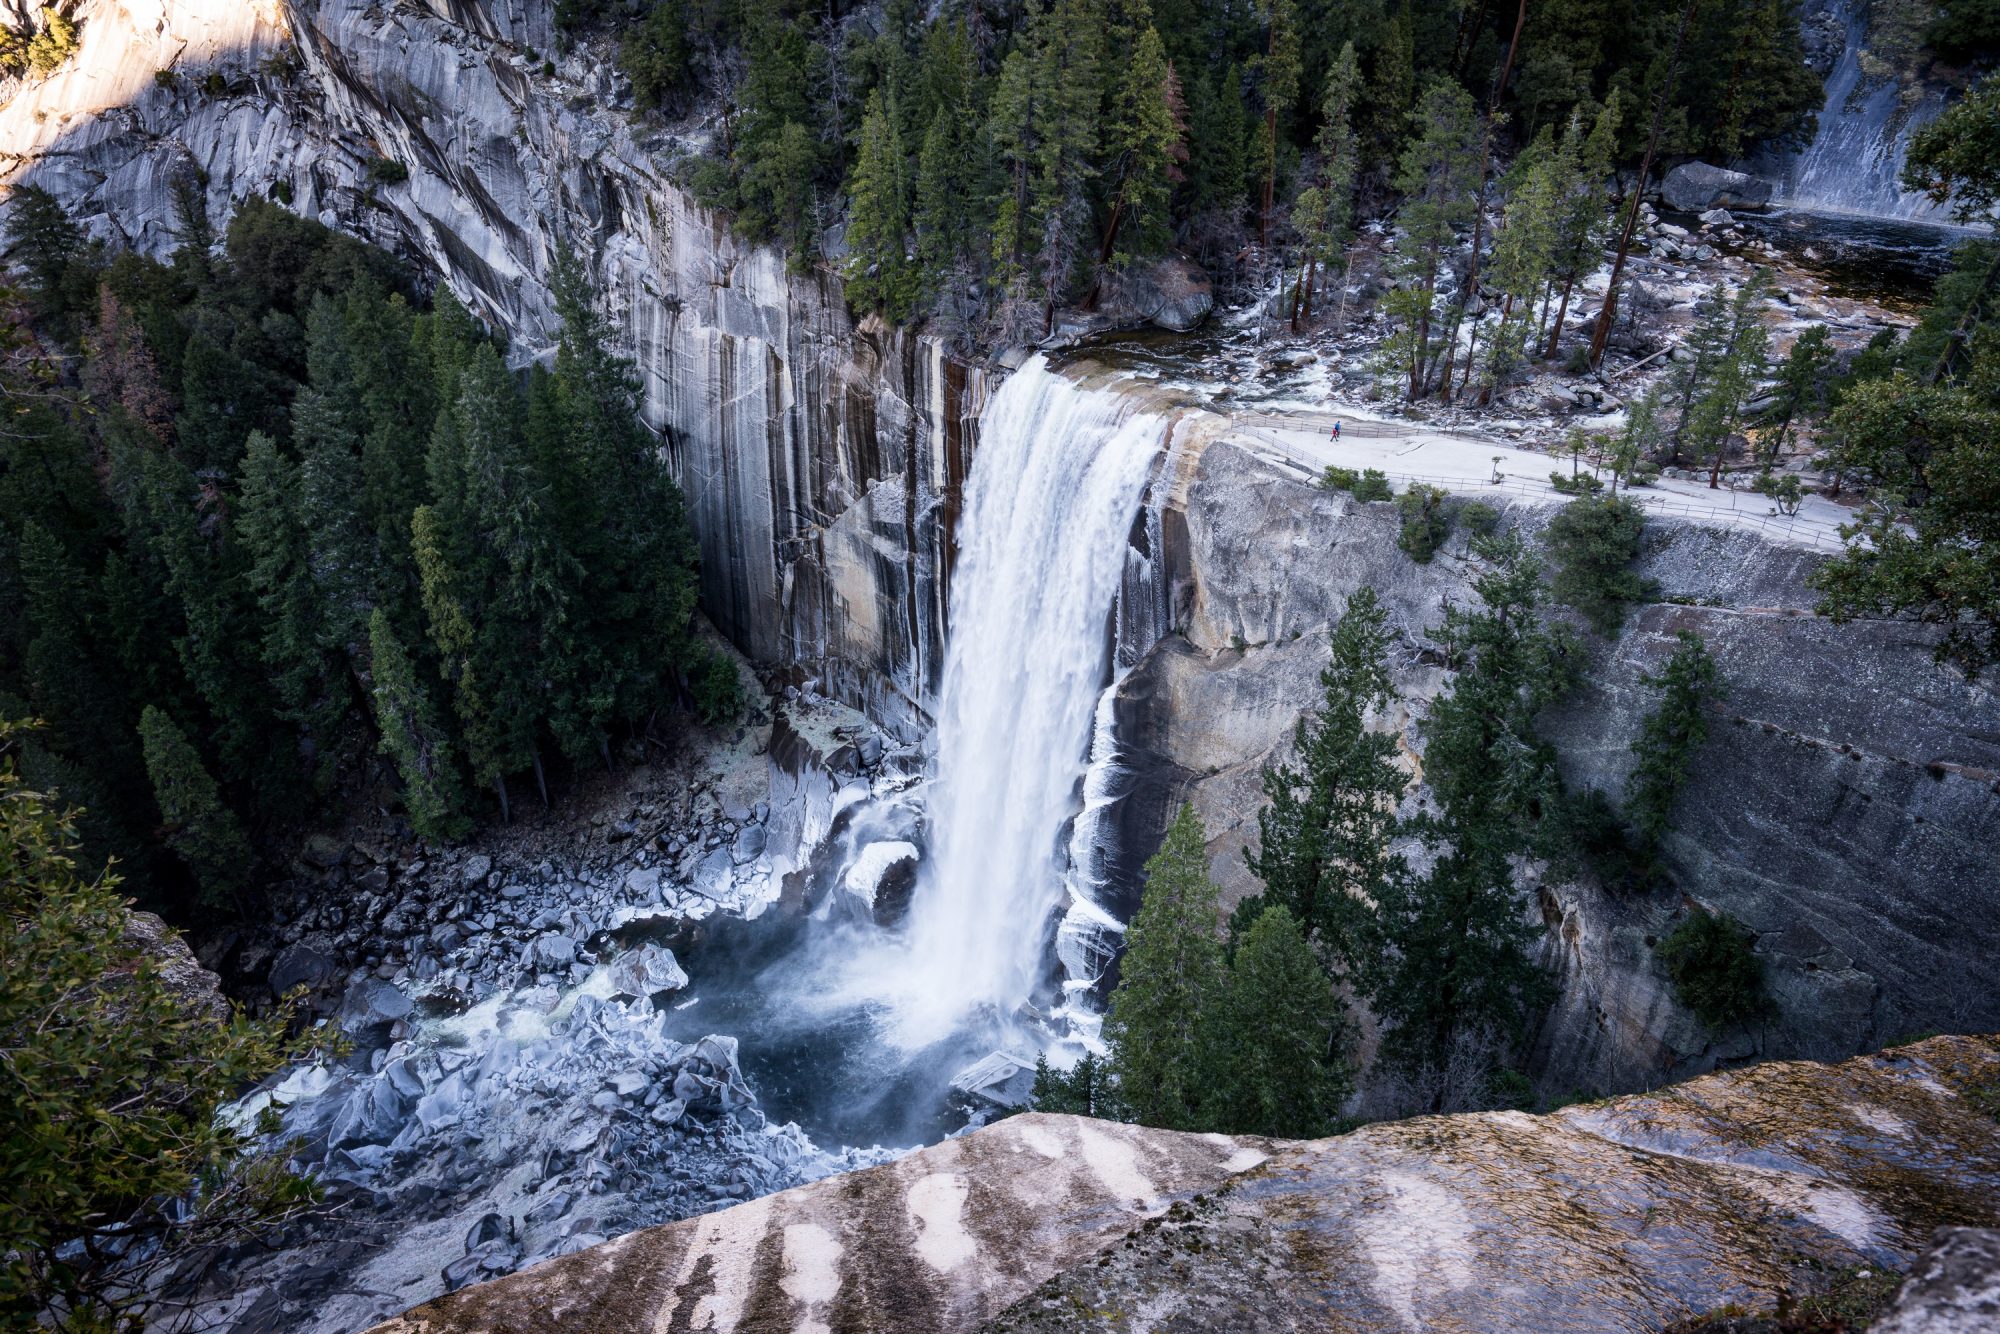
{"x":1054,"y":489}
{"x":1854,"y":164}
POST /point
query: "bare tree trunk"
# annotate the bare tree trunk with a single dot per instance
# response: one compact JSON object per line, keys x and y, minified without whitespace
{"x":500,"y":791}
{"x":1562,"y":313}
{"x":1602,"y":334}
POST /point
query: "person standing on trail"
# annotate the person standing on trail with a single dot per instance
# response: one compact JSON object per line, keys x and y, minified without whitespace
{"x":1336,"y":432}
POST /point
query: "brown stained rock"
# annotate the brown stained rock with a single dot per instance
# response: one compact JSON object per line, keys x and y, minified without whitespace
{"x":940,"y":1239}
{"x":1623,"y":1215}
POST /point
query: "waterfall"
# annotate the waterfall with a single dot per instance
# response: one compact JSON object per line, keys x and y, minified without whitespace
{"x":1054,"y":489}
{"x":1854,"y":164}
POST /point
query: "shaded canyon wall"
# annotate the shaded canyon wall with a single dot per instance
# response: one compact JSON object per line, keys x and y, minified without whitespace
{"x":821,"y":460}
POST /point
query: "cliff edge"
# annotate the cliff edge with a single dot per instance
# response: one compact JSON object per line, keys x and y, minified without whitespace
{"x":1627,"y":1214}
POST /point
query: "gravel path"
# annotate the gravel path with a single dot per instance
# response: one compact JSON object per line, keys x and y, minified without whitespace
{"x":1466,"y":465}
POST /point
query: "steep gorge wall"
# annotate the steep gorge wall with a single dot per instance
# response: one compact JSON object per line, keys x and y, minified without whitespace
{"x":821,"y":460}
{"x":1846,"y":805}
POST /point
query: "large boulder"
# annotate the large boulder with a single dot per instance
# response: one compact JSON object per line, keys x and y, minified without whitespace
{"x":877,"y":885}
{"x":198,"y":991}
{"x":1697,"y":187}
{"x":646,"y":972}
{"x":1172,"y":294}
{"x":371,"y":1004}
{"x":305,"y":964}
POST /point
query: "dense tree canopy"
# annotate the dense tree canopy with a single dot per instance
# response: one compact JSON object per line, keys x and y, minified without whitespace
{"x":284,"y":516}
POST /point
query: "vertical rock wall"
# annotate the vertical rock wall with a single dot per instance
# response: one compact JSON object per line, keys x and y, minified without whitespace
{"x":817,"y":457}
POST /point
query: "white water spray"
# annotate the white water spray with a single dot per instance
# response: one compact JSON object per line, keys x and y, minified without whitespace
{"x":1054,"y":488}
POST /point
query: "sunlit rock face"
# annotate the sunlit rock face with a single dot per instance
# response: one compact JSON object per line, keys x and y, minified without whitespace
{"x":821,"y":460}
{"x":1623,"y":1215}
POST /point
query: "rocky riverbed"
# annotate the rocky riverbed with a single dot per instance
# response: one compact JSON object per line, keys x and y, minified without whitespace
{"x":527,"y":1071}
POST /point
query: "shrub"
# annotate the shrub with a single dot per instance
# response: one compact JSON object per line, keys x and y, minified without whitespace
{"x":1583,"y":484}
{"x":1787,"y":492}
{"x":1479,"y":518}
{"x":1593,"y":542}
{"x":113,"y":1080}
{"x":1589,"y":833}
{"x":716,"y":687}
{"x":1338,"y":479}
{"x":1372,"y":486}
{"x":166,"y":78}
{"x":1426,"y":521}
{"x":387,"y":171}
{"x":1715,"y":970}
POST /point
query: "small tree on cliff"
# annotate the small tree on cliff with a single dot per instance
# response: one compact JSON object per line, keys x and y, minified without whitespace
{"x":1171,"y":972}
{"x":1323,"y":835}
{"x":1672,"y":734}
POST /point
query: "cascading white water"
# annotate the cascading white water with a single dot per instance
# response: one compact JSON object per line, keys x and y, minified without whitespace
{"x":1854,"y":164}
{"x":1054,"y":488}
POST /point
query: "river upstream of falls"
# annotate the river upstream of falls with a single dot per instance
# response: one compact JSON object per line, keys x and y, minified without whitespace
{"x":663,"y":1049}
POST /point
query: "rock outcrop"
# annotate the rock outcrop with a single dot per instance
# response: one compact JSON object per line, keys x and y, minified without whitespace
{"x":1845,"y":806}
{"x":821,"y":458}
{"x":1623,"y":1215}
{"x":1696,"y":187}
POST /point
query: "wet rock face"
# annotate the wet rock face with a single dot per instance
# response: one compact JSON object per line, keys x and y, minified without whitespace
{"x":1843,"y":807}
{"x":1623,"y":1215}
{"x":819,"y":459}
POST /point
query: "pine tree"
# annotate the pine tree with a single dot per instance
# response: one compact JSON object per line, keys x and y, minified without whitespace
{"x":1323,"y":836}
{"x":1145,"y":144}
{"x":1737,"y":334}
{"x":413,"y":738}
{"x":1672,"y":735}
{"x":1524,"y":251}
{"x":495,"y":582}
{"x":1392,"y":88}
{"x":621,"y":524}
{"x":1453,"y":970}
{"x":1277,"y":1038}
{"x":1169,"y":975}
{"x":309,"y":685}
{"x":1582,"y":226}
{"x":1594,"y":541}
{"x":1080,"y":1091}
{"x":1278,"y":71}
{"x":878,"y":222}
{"x":1438,"y":176}
{"x":1802,"y":381}
{"x":200,"y":828}
{"x":1323,"y":213}
{"x":1067,"y":68}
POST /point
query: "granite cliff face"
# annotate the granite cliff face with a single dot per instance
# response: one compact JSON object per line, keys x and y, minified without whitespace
{"x":1846,"y":806}
{"x":1623,"y":1215}
{"x":1848,"y":803}
{"x":821,"y":460}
